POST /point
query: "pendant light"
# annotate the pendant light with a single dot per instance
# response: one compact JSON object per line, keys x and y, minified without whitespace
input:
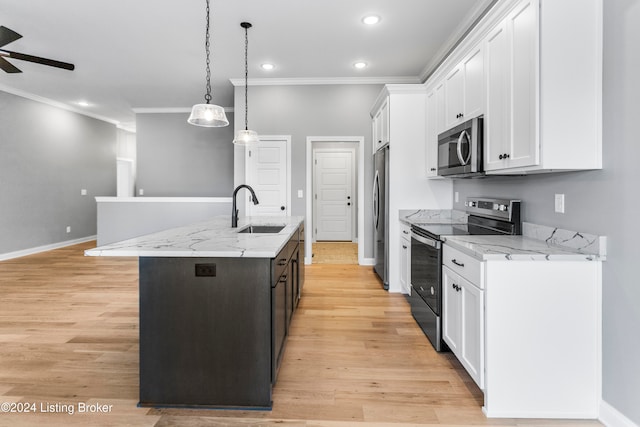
{"x":246,"y":136}
{"x":208,"y":115}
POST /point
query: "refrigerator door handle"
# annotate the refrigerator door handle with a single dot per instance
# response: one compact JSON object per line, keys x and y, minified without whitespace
{"x":376,"y":200}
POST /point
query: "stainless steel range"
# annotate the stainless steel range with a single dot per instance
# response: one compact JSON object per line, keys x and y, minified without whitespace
{"x":486,"y":216}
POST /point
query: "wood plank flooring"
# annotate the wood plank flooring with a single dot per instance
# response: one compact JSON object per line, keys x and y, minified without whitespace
{"x":355,"y":357}
{"x":335,"y":253}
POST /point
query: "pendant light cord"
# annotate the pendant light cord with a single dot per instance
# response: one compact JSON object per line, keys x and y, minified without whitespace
{"x":207,"y":44}
{"x":246,"y":77}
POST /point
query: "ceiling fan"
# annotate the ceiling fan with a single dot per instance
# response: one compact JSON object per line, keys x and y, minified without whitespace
{"x":7,"y":36}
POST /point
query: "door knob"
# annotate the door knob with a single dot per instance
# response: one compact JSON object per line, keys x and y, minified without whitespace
{"x":348,"y":203}
{"x":282,"y":208}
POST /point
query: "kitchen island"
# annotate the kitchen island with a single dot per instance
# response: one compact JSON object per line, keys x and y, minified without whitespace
{"x":215,"y":307}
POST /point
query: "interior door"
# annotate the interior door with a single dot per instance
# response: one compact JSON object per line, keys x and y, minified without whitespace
{"x":266,"y":170}
{"x":334,"y":195}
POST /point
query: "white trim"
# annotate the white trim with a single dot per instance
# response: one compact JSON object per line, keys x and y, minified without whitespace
{"x":56,"y":104}
{"x":611,"y":417}
{"x":143,"y":199}
{"x":303,"y":81}
{"x":45,"y":248}
{"x":170,"y":110}
{"x":368,"y":261}
{"x":308,"y":235}
{"x":464,"y":27}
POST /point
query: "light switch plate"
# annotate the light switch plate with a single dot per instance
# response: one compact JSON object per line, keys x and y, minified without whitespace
{"x":83,"y":192}
{"x":559,"y":203}
{"x":300,"y":194}
{"x":456,"y":197}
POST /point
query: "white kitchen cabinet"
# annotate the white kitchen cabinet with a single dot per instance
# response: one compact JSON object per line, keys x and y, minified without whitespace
{"x":512,"y":84}
{"x":431,"y":151}
{"x":409,"y":188}
{"x":463,"y":313}
{"x":381,"y":126}
{"x":405,"y":258}
{"x":540,"y":115}
{"x":528,"y":333}
{"x":464,"y":87}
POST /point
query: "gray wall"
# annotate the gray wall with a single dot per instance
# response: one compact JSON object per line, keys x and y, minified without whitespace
{"x":47,"y":155}
{"x":604,"y":202}
{"x":322,"y":110}
{"x":179,"y":159}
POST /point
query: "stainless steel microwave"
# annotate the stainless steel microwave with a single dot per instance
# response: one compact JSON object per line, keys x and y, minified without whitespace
{"x":460,"y":150}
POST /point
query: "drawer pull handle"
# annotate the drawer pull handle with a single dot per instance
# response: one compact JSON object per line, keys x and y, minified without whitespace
{"x":456,"y":287}
{"x":283,"y":279}
{"x":404,"y":246}
{"x":282,"y":261}
{"x":459,"y":264}
{"x":405,"y":231}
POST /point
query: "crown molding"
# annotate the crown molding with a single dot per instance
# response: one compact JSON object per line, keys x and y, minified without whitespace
{"x":56,"y":104}
{"x":327,"y":81}
{"x":463,"y":29}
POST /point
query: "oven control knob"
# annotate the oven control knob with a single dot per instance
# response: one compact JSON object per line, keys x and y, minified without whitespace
{"x":433,"y":291}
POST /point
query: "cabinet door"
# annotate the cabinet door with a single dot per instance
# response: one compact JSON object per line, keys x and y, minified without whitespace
{"x":440,"y":109}
{"x":523,"y":147}
{"x":497,"y":105}
{"x":451,"y":310}
{"x":384,"y":125}
{"x":454,"y":98}
{"x":278,"y":325}
{"x":431,"y":149}
{"x":472,"y":348}
{"x":473,"y":66}
{"x":405,"y":265}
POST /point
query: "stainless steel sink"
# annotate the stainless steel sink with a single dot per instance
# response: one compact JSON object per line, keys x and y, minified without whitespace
{"x":262,"y":229}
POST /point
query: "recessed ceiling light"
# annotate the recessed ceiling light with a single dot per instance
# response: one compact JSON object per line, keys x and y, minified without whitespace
{"x":360,"y":65}
{"x":267,"y":67}
{"x":83,"y":103}
{"x":371,"y":19}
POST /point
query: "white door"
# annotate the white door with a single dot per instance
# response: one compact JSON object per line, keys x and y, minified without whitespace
{"x":124,"y":178}
{"x":266,"y":170}
{"x":334,"y":195}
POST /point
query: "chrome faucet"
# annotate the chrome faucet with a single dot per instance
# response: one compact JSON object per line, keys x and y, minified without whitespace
{"x":234,"y":211}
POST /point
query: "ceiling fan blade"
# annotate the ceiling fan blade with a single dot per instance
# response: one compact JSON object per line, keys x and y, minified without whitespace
{"x":7,"y":67}
{"x":7,"y":36}
{"x":38,"y":60}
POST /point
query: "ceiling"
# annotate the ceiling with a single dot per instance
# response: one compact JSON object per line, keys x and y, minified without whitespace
{"x":149,"y":54}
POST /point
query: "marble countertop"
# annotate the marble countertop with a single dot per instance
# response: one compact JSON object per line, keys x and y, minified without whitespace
{"x":433,"y":216}
{"x":517,"y":248}
{"x":211,"y":238}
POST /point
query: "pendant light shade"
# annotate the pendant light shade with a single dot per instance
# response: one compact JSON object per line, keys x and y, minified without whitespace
{"x":246,"y":136}
{"x":208,"y":115}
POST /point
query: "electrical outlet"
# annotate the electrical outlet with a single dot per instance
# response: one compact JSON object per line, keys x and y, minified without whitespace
{"x":300,"y":194}
{"x":456,"y":196}
{"x":559,"y":203}
{"x":68,"y":229}
{"x":205,"y":270}
{"x":83,"y":192}
{"x":141,"y":192}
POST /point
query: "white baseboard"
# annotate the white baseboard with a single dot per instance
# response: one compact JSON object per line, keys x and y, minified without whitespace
{"x":45,"y":248}
{"x":367,"y":261}
{"x":611,"y":417}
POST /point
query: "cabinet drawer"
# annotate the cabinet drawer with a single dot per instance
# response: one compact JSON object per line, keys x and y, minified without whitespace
{"x":465,"y":265}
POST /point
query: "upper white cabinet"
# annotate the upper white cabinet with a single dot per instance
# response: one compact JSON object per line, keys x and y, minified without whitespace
{"x":512,"y":85}
{"x":431,"y":152}
{"x":537,"y":82}
{"x":381,"y":126}
{"x":465,"y":89}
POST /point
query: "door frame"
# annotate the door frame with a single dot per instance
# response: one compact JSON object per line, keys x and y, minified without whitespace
{"x":308,"y":237}
{"x":354,"y":155}
{"x":287,"y":139}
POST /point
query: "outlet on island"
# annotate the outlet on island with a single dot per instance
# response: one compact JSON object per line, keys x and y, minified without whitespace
{"x":205,"y":270}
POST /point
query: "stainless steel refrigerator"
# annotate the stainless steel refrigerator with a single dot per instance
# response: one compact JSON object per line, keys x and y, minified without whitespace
{"x":381,"y":214}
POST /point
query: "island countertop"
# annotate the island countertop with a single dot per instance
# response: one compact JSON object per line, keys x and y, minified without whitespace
{"x":211,"y":238}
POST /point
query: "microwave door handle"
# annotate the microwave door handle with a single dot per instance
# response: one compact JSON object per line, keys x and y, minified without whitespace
{"x":463,"y":161}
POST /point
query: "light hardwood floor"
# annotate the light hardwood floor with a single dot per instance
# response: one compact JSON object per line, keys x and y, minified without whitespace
{"x":355,"y":357}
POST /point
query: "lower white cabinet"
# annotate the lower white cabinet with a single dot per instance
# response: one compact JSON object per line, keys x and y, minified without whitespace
{"x":463,"y":326}
{"x":405,"y":259}
{"x":527,"y":331}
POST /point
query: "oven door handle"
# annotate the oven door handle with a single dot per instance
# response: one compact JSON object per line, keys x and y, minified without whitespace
{"x":427,"y":241}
